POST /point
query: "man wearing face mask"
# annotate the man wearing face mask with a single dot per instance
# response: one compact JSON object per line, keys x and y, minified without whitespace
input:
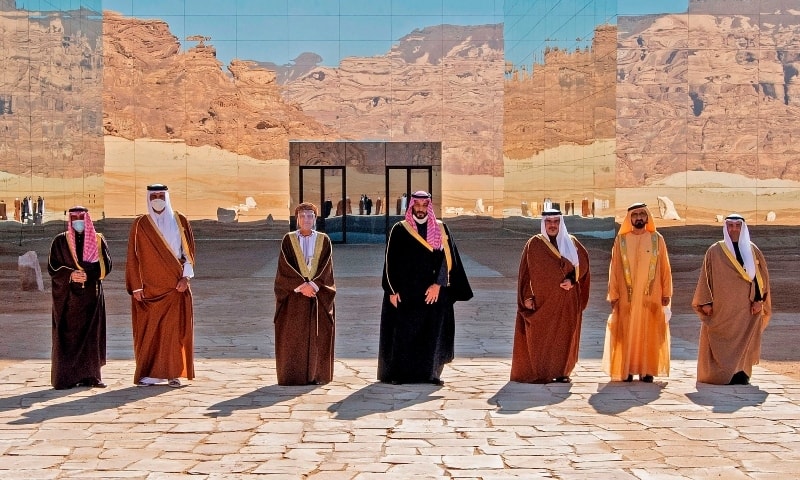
{"x":639,"y":289}
{"x":422,"y":278}
{"x":734,"y":304}
{"x":77,"y":264}
{"x":161,"y":253}
{"x":305,"y":313}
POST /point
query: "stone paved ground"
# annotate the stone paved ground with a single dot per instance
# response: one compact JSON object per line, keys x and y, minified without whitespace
{"x":234,"y":422}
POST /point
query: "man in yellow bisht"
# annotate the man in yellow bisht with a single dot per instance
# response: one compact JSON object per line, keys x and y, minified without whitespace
{"x":639,"y":289}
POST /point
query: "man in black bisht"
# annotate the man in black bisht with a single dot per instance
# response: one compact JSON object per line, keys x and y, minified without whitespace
{"x":78,"y":261}
{"x":422,"y":277}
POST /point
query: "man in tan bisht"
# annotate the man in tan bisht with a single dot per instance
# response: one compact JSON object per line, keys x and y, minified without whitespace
{"x":160,"y":263}
{"x":639,"y":289}
{"x":733,"y":301}
{"x":305,"y":314}
{"x":552,"y":292}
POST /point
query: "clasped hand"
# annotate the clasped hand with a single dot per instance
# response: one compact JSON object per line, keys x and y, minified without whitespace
{"x":307,"y":290}
{"x":78,"y":276}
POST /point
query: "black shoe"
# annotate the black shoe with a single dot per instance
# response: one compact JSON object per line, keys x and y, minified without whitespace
{"x":739,"y":378}
{"x":91,"y":382}
{"x":436,"y":381}
{"x":564,"y":379}
{"x":629,"y":379}
{"x":647,"y":378}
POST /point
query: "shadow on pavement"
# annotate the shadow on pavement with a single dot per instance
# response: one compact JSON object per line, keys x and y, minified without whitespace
{"x":617,"y":397}
{"x":727,"y":398}
{"x":382,"y":398}
{"x":516,"y":397}
{"x":107,"y":400}
{"x":263,"y":397}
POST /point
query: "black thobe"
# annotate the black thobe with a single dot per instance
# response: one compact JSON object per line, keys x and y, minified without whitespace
{"x":417,"y":339}
{"x":79,"y":313}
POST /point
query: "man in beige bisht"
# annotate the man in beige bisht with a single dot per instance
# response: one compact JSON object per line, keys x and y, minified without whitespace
{"x":157,"y":272}
{"x":733,"y":301}
{"x":639,"y":289}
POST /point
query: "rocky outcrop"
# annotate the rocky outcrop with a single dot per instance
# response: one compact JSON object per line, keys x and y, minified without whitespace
{"x":439,"y":83}
{"x":50,"y":116}
{"x":710,"y":92}
{"x":154,"y":90}
{"x":567,"y":99}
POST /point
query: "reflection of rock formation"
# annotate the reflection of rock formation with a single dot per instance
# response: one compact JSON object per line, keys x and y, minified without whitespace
{"x":570,"y":99}
{"x":717,"y":93}
{"x":145,"y":71}
{"x":438,"y":82}
{"x":50,"y":113}
{"x":667,"y":209}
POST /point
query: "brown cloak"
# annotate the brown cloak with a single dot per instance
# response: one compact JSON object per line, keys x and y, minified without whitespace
{"x":730,"y":339}
{"x":163,"y":322}
{"x":79,"y":315}
{"x":546,"y":339}
{"x":304,"y":327}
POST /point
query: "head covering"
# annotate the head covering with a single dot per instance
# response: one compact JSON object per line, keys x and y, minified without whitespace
{"x":627,"y":225}
{"x":434,"y":236}
{"x":744,"y":244}
{"x":565,"y":245}
{"x":165,"y":222}
{"x":91,"y":251}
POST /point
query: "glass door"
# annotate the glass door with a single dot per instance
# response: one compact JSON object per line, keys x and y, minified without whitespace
{"x":401,"y":182}
{"x":325,"y":187}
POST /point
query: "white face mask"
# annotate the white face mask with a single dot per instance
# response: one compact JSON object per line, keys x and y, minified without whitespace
{"x":158,"y":204}
{"x":78,"y":225}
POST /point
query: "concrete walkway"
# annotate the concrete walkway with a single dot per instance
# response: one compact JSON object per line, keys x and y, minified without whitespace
{"x":234,"y":422}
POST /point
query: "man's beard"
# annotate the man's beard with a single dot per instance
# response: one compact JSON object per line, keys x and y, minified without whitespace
{"x":422,"y":220}
{"x":639,"y":224}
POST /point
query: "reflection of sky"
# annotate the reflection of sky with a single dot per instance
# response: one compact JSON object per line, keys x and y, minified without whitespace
{"x":533,"y":26}
{"x":280,"y":30}
{"x":53,"y":5}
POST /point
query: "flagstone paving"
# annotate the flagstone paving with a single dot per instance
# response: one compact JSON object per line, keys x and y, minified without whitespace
{"x":234,"y":422}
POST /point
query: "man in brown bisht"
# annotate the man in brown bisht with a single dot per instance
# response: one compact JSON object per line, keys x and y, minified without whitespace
{"x":78,"y":263}
{"x":639,"y":289}
{"x":160,"y":264}
{"x":734,"y":303}
{"x":552,"y":292}
{"x":305,"y":314}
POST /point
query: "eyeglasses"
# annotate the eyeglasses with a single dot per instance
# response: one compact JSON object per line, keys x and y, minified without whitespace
{"x":306,"y":215}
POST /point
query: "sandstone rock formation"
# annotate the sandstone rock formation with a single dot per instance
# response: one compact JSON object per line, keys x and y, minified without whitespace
{"x":50,"y":123}
{"x":441,"y":83}
{"x":709,"y":91}
{"x":155,"y":90}
{"x":568,"y":99}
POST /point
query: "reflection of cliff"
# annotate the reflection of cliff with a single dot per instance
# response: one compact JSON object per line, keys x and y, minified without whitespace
{"x":569,"y":99}
{"x":49,"y":94}
{"x":153,"y":90}
{"x":441,"y":83}
{"x":716,"y":93}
